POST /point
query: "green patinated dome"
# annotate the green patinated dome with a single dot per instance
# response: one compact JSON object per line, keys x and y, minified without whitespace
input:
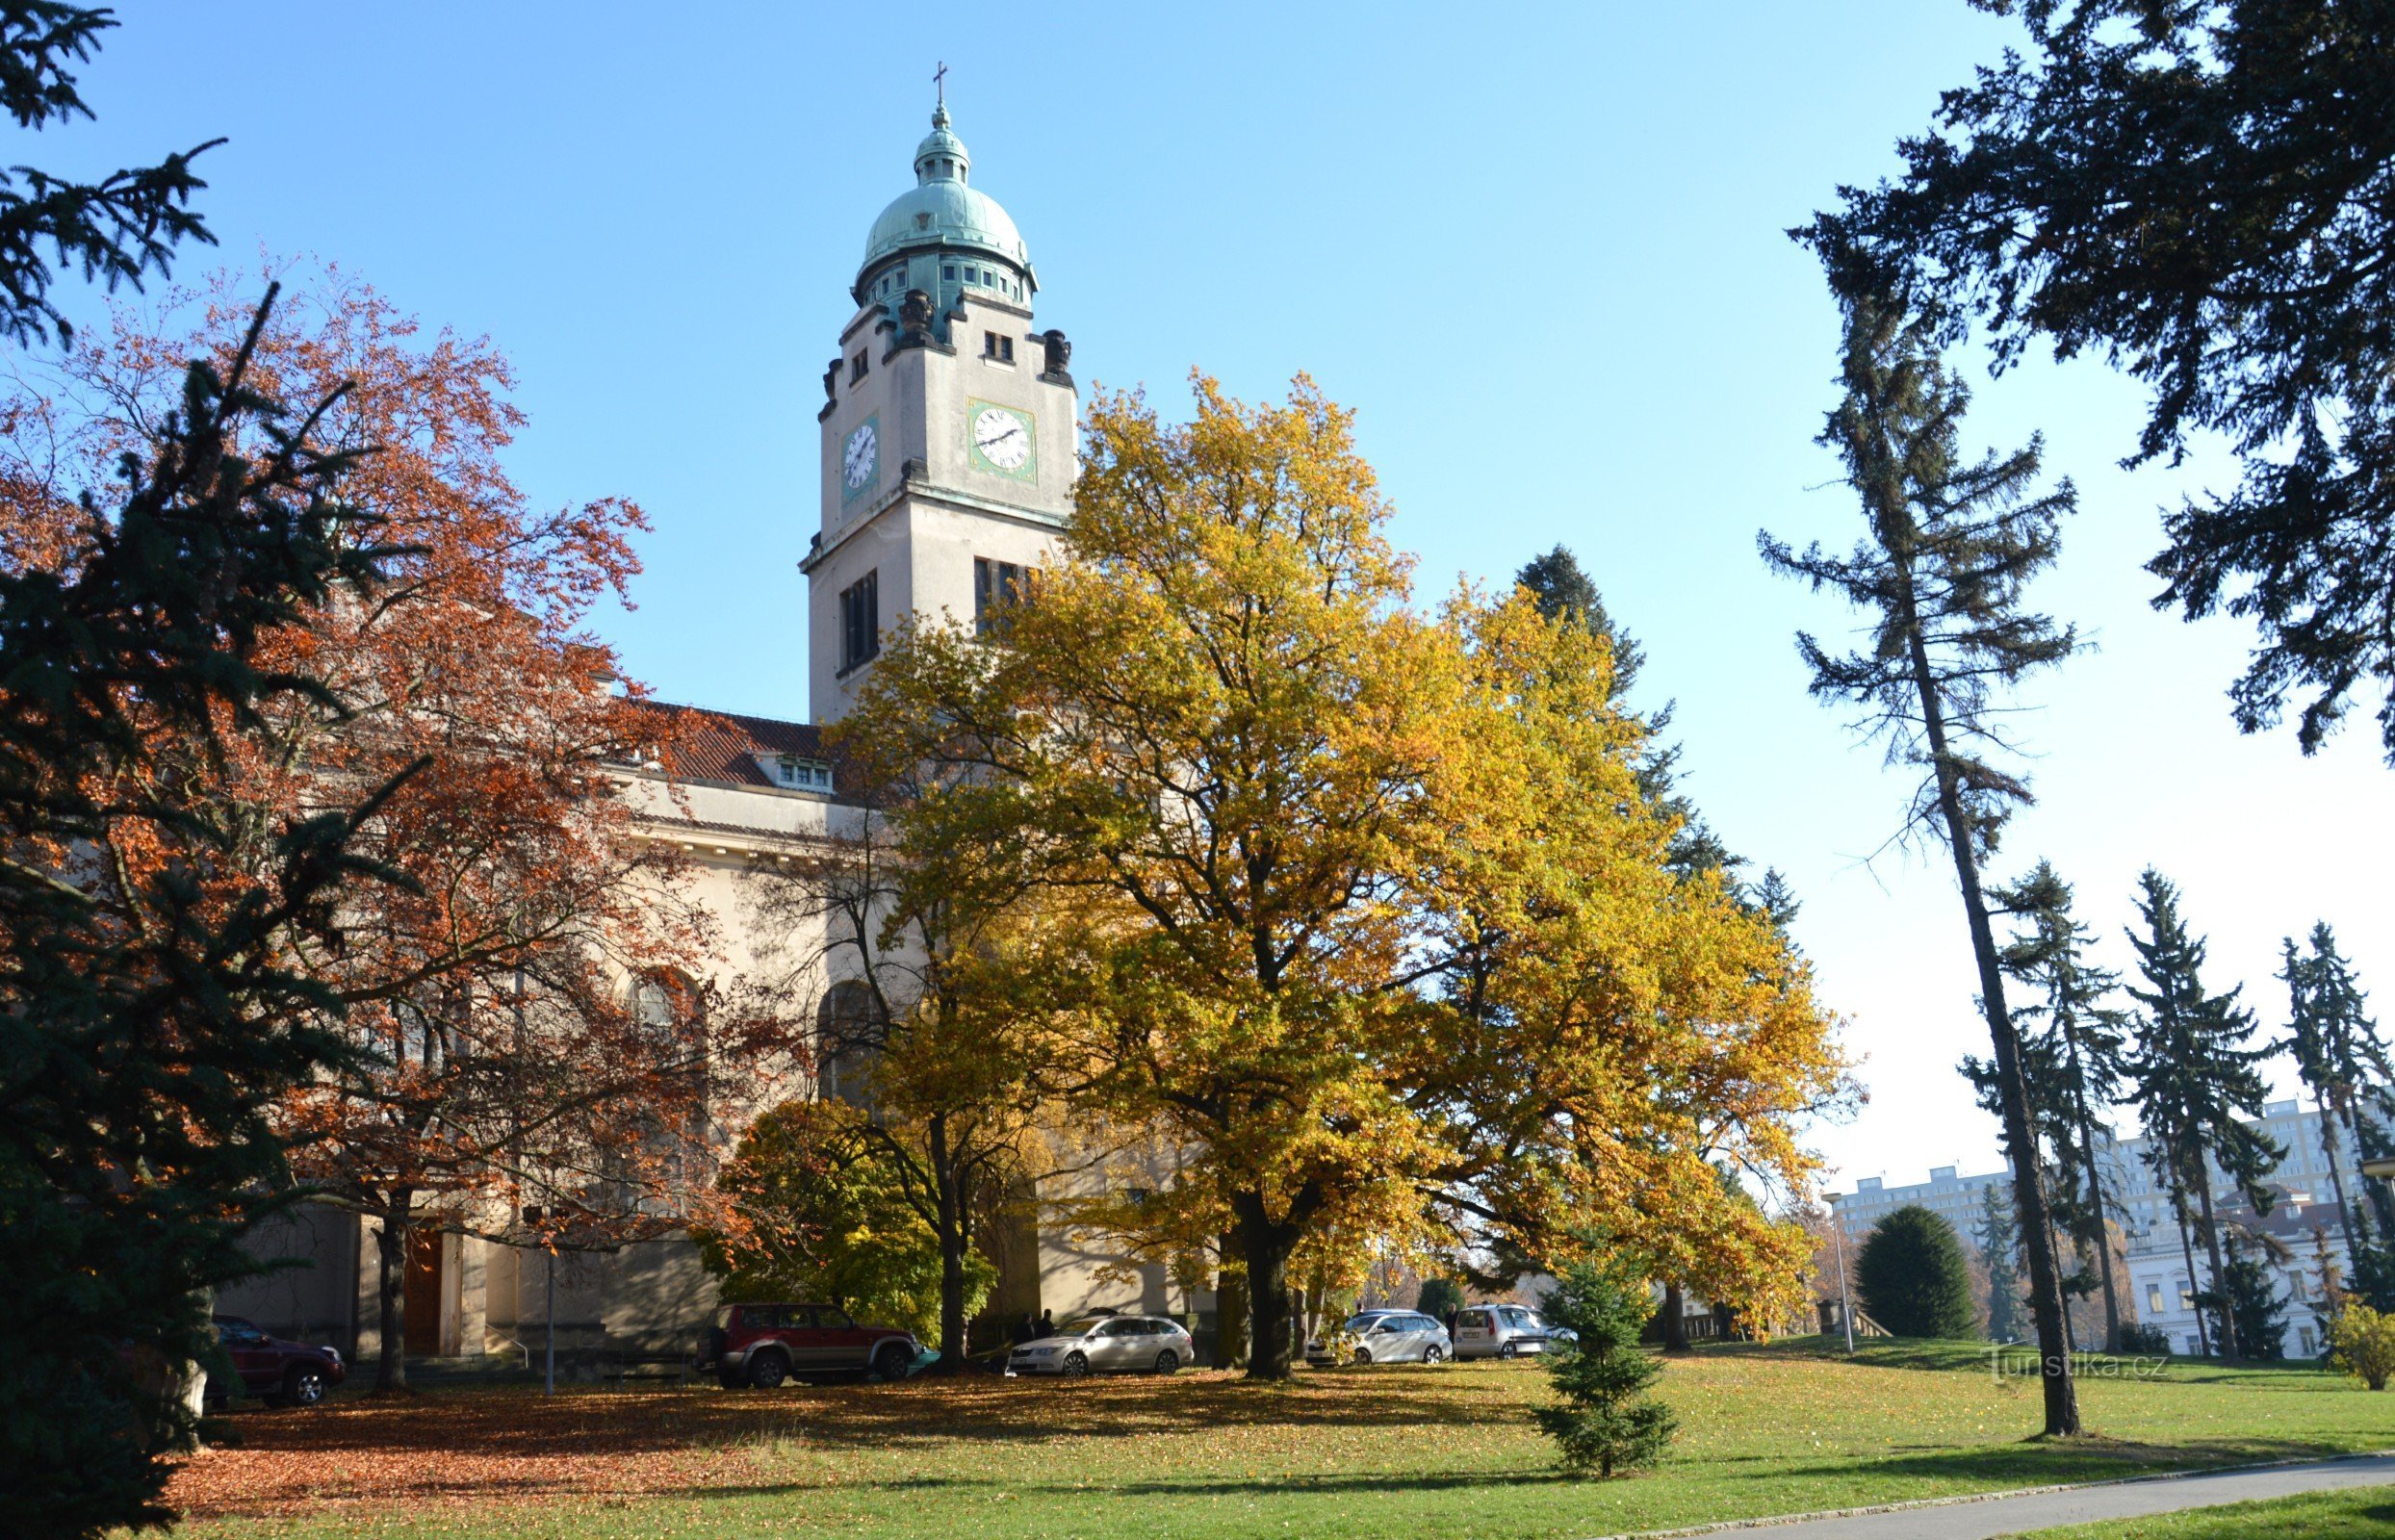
{"x":940,"y":211}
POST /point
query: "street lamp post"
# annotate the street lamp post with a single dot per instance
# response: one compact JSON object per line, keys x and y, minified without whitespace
{"x":1846,"y":1306}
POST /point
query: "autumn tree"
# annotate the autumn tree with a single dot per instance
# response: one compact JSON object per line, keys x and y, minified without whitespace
{"x":1949,"y":548}
{"x":2204,"y":194}
{"x":1285,"y":802}
{"x":1564,"y":593}
{"x":812,"y":1208}
{"x":2194,"y":1076}
{"x":521,"y":1012}
{"x":922,"y":1032}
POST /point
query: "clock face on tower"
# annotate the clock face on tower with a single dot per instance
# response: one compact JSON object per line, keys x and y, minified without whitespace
{"x":859,"y":456}
{"x":1001,"y":439}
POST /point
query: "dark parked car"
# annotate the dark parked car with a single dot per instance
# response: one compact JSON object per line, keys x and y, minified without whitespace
{"x":289,"y":1374}
{"x":765,"y":1344}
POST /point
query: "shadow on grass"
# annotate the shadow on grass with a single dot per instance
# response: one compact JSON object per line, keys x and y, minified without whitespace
{"x":2042,"y":1463}
{"x":1325,"y":1485}
{"x":513,"y":1423}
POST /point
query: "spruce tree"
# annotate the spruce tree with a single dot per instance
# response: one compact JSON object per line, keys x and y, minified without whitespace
{"x":2338,"y":1054}
{"x":1913,"y":1276}
{"x":2000,"y":1249}
{"x":144,"y":1021}
{"x":1607,"y":1422}
{"x":2073,"y":1048}
{"x":2250,"y":1293}
{"x":1949,"y":549}
{"x":2196,"y":1078}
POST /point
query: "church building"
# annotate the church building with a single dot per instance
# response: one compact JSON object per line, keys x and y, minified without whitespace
{"x":949,"y":431}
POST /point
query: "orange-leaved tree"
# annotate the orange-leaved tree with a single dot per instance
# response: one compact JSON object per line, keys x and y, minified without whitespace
{"x":1621,"y":1026}
{"x":521,"y":1000}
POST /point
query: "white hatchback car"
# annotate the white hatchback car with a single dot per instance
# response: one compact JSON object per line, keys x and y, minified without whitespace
{"x":1385,"y":1337}
{"x":1106,"y":1344}
{"x":1503,"y":1331}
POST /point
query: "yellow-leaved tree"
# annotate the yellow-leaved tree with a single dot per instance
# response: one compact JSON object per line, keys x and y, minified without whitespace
{"x":1374,"y":925}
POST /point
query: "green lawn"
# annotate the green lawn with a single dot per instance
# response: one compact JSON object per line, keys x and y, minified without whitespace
{"x":2367,"y":1513}
{"x":1387,"y":1453}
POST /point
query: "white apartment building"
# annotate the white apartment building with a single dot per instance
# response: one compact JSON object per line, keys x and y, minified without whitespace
{"x":2160,"y":1289}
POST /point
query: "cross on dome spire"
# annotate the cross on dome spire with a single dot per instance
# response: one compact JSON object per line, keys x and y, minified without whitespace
{"x":940,"y":84}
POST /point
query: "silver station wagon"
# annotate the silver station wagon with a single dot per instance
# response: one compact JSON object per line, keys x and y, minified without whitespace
{"x":1503,"y":1331}
{"x":1387,"y":1337}
{"x":1106,"y":1344}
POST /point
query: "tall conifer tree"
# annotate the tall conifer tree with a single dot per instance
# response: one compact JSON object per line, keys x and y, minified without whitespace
{"x":2196,"y":1076}
{"x":1949,"y":549}
{"x":2338,"y":1053}
{"x":2000,"y":1246}
{"x":2075,"y":1067}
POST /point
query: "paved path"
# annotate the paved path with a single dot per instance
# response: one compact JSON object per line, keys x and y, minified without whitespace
{"x":2125,"y":1499}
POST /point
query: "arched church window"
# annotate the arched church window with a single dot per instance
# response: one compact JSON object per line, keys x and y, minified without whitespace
{"x":848,"y":1040}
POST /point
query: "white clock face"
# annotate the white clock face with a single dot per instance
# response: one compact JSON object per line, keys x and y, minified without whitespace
{"x":857,"y":460}
{"x":1003,"y":437}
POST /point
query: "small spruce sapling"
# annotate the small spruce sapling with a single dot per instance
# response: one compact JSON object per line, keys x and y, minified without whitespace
{"x":1607,"y":1424}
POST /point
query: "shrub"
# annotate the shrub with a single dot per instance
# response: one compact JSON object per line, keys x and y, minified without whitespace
{"x":1438,"y":1297}
{"x":2361,"y":1342}
{"x":1914,"y":1278}
{"x":1606,"y":1423}
{"x":810,"y":1207}
{"x":2142,"y":1337}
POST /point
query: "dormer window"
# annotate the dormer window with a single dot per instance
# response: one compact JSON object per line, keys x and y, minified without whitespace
{"x":796,"y":773}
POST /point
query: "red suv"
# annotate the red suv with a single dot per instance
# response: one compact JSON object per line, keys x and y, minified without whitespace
{"x":292,"y":1373}
{"x":765,"y":1344}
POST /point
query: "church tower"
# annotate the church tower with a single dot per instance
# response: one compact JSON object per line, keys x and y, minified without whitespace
{"x":949,"y":428}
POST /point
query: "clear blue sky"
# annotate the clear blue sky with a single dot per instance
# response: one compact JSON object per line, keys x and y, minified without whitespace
{"x":1540,"y":250}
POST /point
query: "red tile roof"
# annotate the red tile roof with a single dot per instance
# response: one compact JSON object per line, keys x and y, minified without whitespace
{"x":722,"y":745}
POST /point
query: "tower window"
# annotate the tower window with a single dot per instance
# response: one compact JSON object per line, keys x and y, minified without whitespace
{"x":997,"y":587}
{"x":947,"y":270}
{"x":861,"y":623}
{"x":855,"y":369}
{"x":1000,"y":349}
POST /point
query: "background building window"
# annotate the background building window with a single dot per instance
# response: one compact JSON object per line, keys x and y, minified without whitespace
{"x":848,"y":1040}
{"x":861,"y":623}
{"x":997,"y":587}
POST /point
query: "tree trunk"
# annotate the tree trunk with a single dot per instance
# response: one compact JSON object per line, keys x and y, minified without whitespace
{"x":2187,"y":1252}
{"x":1674,"y":1320}
{"x":1266,"y":1244}
{"x":391,"y":1269}
{"x":1230,"y":1306}
{"x":2103,"y":1229}
{"x":2226,"y":1318}
{"x":2336,"y":1173}
{"x":950,"y":1213}
{"x":2062,"y":1399}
